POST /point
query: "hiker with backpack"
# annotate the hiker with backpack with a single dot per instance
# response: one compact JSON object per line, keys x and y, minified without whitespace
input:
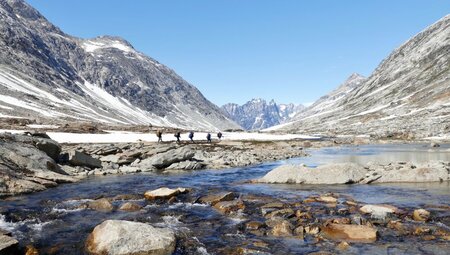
{"x":208,"y":138}
{"x":219,"y":135}
{"x":191,"y":136}
{"x":177,"y":135}
{"x":159,"y":135}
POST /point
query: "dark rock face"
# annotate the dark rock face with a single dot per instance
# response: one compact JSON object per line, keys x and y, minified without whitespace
{"x":47,"y":74}
{"x":258,"y":114}
{"x":408,"y":93}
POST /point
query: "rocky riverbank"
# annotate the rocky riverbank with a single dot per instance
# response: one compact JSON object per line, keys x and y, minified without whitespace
{"x":33,"y":162}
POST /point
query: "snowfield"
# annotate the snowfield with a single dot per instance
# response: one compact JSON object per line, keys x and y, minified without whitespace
{"x":131,"y":137}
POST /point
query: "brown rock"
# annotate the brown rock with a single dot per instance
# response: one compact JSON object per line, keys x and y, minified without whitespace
{"x":428,"y":237}
{"x":343,"y":246}
{"x":282,"y":228}
{"x":421,"y":215}
{"x":422,"y":230}
{"x":163,"y":193}
{"x":312,"y":230}
{"x":278,"y":205}
{"x":227,"y":207}
{"x":350,"y":233}
{"x":299,"y":231}
{"x":101,"y":204}
{"x":30,"y":250}
{"x":254,"y":225}
{"x":326,"y":199}
{"x":126,"y":197}
{"x":130,"y":207}
{"x":216,"y":198}
{"x":285,"y":213}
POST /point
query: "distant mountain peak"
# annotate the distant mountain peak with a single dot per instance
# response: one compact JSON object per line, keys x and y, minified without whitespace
{"x":258,"y":114}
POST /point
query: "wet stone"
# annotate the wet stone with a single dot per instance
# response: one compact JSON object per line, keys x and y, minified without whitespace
{"x":254,"y":225}
{"x":101,"y":204}
{"x":216,"y":198}
{"x":227,"y":207}
{"x":285,"y":213}
{"x":130,"y":207}
{"x":421,"y":215}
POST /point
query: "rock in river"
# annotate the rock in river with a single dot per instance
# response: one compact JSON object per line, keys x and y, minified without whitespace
{"x":120,"y":237}
{"x":350,"y":233}
{"x":343,"y":173}
{"x":163,"y":193}
{"x":7,"y":244}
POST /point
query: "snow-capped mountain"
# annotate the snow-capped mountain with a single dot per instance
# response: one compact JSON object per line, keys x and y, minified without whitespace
{"x":408,"y":93}
{"x":48,"y":75}
{"x":258,"y":114}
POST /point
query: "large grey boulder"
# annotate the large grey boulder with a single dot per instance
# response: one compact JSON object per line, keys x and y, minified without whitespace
{"x":343,"y":173}
{"x":430,"y":172}
{"x":77,"y":158}
{"x":24,"y":168}
{"x":163,"y":160}
{"x":8,"y":245}
{"x":118,"y":237}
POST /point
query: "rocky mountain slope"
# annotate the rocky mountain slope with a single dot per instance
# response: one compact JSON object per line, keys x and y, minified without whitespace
{"x":258,"y":114}
{"x":407,"y":95}
{"x":48,"y":75}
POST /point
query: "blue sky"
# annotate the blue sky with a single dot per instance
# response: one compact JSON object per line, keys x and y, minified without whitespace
{"x":236,"y":50}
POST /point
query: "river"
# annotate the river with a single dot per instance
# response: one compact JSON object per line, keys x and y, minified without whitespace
{"x":54,"y":223}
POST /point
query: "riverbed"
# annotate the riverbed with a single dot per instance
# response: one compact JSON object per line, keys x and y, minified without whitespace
{"x":54,"y":222}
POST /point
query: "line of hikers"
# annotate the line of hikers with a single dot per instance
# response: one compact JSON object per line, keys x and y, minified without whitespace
{"x":190,"y":135}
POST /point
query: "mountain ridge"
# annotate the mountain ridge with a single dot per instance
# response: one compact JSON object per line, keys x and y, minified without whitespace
{"x":408,"y":93}
{"x":99,"y":79}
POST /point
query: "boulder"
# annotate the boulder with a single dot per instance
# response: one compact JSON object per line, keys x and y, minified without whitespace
{"x":228,"y":207}
{"x":101,"y":204}
{"x":216,"y":198}
{"x":187,"y":165}
{"x":120,"y":237}
{"x":165,"y":159}
{"x":430,"y":173}
{"x":378,"y":211}
{"x":326,"y":199}
{"x":8,"y":245}
{"x":163,"y":193}
{"x":350,"y":233}
{"x":50,"y":147}
{"x":78,"y":158}
{"x":282,"y":228}
{"x":421,"y":215}
{"x":130,"y":207}
{"x":343,"y":173}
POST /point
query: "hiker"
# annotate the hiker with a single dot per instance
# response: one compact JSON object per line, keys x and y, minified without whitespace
{"x":159,"y":135}
{"x":177,"y":135}
{"x":208,"y":137}
{"x":219,"y":135}
{"x":191,"y":136}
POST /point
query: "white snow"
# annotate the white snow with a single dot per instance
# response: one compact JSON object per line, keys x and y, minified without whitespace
{"x":130,"y":137}
{"x":42,"y":126}
{"x":91,"y":46}
{"x":6,"y":107}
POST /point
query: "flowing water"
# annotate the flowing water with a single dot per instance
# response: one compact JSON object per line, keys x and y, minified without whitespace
{"x":54,"y":222}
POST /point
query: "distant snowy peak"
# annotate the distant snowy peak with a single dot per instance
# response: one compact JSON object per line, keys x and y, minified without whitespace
{"x":258,"y":114}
